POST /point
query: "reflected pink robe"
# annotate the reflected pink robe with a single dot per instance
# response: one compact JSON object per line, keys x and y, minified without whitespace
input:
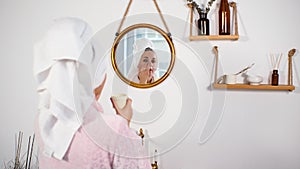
{"x":88,"y":150}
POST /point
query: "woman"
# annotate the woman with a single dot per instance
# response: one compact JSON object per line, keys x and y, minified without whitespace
{"x":71,"y":127}
{"x":144,"y":64}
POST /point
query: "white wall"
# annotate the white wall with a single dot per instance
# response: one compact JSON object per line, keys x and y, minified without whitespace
{"x":258,"y":129}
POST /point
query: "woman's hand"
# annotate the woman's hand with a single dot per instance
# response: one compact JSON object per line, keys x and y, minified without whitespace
{"x":144,"y":76}
{"x":126,"y":112}
{"x":98,"y":90}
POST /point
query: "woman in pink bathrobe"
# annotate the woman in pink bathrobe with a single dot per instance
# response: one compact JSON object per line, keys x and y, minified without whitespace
{"x":90,"y":139}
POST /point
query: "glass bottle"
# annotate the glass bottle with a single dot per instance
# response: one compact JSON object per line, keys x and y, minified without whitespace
{"x":224,"y":18}
{"x":275,"y":77}
{"x":203,"y":24}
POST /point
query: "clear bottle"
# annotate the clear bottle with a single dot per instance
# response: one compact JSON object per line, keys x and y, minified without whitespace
{"x":275,"y":78}
{"x":224,"y":18}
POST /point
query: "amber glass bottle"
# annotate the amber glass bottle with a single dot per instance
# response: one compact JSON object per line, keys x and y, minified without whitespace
{"x":275,"y":78}
{"x":224,"y":18}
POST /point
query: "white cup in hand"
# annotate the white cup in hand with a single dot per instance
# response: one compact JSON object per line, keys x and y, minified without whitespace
{"x":120,"y":100}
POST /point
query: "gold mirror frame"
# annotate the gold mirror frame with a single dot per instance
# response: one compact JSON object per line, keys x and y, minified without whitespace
{"x":119,"y":38}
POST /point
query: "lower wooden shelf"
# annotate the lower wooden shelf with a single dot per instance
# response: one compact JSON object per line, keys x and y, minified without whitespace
{"x":254,"y":87}
{"x":214,"y":37}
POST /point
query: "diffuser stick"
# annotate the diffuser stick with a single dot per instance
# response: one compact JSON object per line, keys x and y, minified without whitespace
{"x":278,"y":61}
{"x":272,"y":60}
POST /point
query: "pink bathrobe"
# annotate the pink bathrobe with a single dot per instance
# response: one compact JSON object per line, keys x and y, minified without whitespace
{"x":96,"y":146}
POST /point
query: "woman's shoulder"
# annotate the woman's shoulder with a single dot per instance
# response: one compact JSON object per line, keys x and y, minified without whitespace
{"x":119,"y":124}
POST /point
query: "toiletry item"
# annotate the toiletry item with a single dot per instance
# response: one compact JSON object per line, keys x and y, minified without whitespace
{"x":120,"y":100}
{"x":230,"y":79}
{"x":275,"y":77}
{"x":224,"y":18}
{"x":203,"y":24}
{"x":245,"y":69}
{"x":254,"y":79}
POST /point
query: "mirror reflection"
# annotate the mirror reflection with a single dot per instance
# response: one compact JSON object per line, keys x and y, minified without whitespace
{"x":143,"y":56}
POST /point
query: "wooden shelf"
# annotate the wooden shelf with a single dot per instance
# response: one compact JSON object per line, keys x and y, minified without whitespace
{"x":235,"y":33}
{"x":254,"y":87}
{"x":288,"y":87}
{"x":214,"y":37}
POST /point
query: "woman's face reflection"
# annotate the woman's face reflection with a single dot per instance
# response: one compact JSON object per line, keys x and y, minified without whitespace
{"x":148,"y":64}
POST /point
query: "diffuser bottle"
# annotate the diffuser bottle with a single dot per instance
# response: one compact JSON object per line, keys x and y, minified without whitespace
{"x":275,"y":77}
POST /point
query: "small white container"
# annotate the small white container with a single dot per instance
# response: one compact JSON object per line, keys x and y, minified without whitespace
{"x":120,"y":100}
{"x":230,"y":79}
{"x":254,"y":79}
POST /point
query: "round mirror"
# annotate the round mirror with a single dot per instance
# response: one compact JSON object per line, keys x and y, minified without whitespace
{"x":143,"y":55}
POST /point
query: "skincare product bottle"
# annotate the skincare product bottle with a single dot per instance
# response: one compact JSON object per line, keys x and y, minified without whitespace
{"x":224,"y":18}
{"x":275,"y":77}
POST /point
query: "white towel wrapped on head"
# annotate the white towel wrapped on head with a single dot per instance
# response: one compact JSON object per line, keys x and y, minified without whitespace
{"x":62,"y":69}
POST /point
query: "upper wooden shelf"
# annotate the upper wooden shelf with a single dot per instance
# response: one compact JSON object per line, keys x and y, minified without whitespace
{"x":234,"y":36}
{"x":214,"y":37}
{"x":254,"y":87}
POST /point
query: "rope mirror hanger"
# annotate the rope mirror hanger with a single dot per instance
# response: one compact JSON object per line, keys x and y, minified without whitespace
{"x":158,"y":10}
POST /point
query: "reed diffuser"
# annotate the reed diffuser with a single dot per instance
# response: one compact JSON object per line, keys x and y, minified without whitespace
{"x":275,"y":61}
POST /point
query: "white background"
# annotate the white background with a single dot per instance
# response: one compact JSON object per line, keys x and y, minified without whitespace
{"x":259,"y":129}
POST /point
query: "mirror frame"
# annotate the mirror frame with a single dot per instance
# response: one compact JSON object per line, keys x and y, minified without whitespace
{"x":119,"y":38}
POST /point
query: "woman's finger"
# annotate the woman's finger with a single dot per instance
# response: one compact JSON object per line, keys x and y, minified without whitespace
{"x":102,"y":85}
{"x":115,"y":106}
{"x":128,"y":102}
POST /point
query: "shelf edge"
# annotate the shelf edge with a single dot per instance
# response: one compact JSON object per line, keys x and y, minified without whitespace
{"x":214,"y":37}
{"x":254,"y":87}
